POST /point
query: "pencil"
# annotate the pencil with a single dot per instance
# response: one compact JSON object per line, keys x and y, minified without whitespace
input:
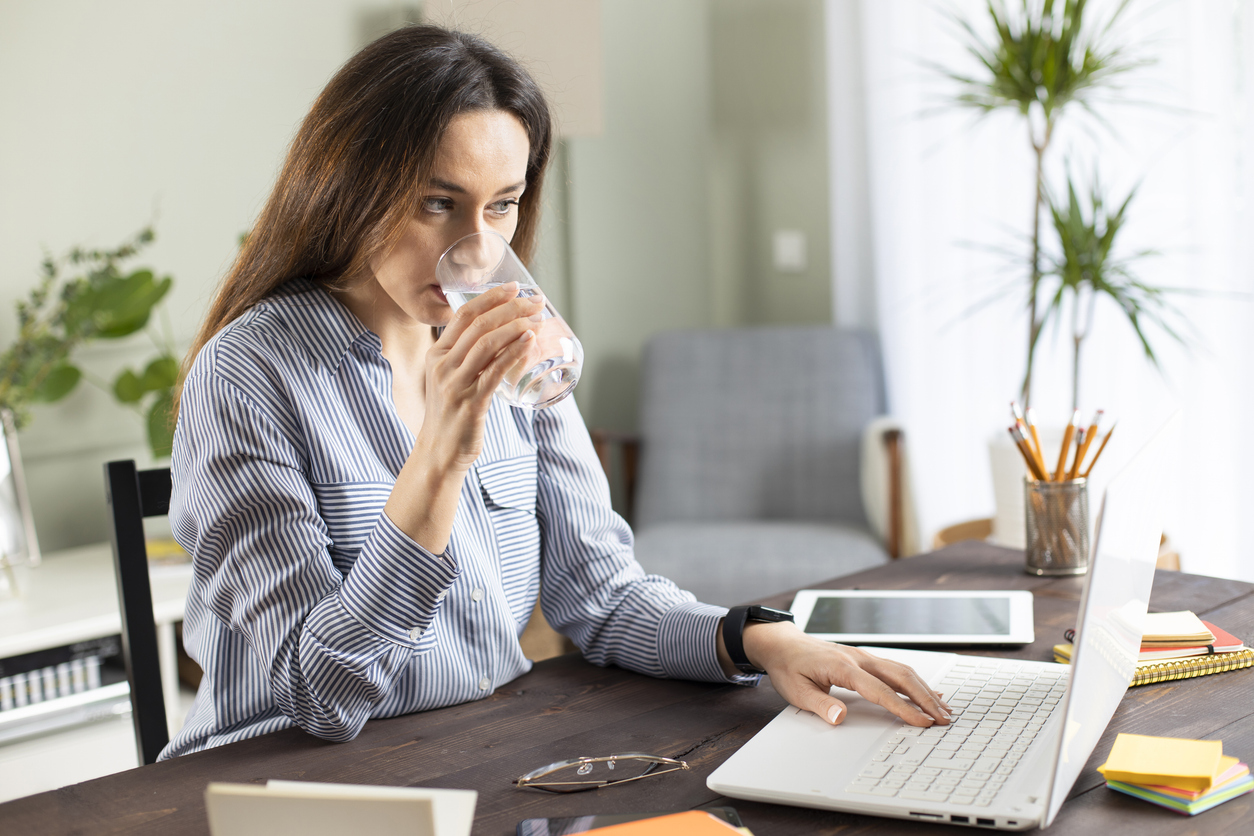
{"x":1100,"y":448}
{"x":1034,"y":452}
{"x":1036,"y":439}
{"x":1081,"y":442}
{"x":1021,"y":442}
{"x":1088,"y":439}
{"x":1066,"y":446}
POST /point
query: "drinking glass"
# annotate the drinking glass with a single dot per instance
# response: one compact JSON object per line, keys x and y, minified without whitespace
{"x":484,"y":260}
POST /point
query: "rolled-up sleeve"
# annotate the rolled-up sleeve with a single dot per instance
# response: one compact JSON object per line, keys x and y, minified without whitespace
{"x":594,"y":590}
{"x":331,"y":643}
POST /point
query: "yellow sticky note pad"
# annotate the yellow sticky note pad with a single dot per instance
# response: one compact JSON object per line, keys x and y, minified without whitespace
{"x":1169,"y":761}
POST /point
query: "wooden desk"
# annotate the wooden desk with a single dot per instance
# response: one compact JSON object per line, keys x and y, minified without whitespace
{"x":567,"y":708}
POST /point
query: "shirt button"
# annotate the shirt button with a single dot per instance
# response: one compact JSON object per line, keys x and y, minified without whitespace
{"x":442,"y":595}
{"x":477,"y":594}
{"x":484,"y":684}
{"x":415,"y":634}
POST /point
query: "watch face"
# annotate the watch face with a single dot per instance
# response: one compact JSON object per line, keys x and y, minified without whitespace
{"x":769,"y":614}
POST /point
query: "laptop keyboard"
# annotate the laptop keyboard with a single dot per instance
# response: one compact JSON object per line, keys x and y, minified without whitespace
{"x":999,"y":707}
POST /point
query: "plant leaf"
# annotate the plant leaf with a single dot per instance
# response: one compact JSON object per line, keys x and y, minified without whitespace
{"x":123,"y":305}
{"x":1044,"y":55}
{"x":57,"y":384}
{"x":128,"y":388}
{"x":161,"y":373}
{"x":161,"y":426}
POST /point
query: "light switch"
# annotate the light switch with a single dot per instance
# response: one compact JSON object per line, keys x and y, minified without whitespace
{"x":789,"y":250}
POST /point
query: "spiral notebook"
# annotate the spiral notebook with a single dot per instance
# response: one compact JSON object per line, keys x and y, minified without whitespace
{"x":1148,"y":673}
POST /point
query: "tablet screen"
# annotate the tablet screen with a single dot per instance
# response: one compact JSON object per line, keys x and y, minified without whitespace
{"x":977,"y":616}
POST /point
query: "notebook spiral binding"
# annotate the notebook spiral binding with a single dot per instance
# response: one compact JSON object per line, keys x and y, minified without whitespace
{"x":1147,"y":673}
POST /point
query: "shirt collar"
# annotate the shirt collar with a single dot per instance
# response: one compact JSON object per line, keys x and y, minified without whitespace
{"x":328,"y":327}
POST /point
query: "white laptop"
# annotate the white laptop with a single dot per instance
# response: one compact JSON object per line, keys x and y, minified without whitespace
{"x":1003,"y":763}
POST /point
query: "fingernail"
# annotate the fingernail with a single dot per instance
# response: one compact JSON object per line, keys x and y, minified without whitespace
{"x":948,"y":717}
{"x":526,"y":336}
{"x":833,"y":715}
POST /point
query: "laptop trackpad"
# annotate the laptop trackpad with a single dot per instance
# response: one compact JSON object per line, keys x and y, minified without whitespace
{"x":798,"y":754}
{"x":867,"y":722}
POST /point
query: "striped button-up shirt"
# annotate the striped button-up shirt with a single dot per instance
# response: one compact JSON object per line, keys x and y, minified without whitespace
{"x":309,"y":607}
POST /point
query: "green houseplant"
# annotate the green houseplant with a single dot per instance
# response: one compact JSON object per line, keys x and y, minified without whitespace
{"x":84,"y":296}
{"x":1043,"y":59}
{"x":1087,"y":266}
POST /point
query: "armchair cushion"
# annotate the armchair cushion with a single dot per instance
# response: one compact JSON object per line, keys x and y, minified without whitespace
{"x":736,"y":561}
{"x":756,"y":424}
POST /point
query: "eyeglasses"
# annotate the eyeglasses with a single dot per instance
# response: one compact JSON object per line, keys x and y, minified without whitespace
{"x":583,"y":774}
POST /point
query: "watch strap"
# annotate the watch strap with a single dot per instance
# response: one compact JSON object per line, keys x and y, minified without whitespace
{"x":733,"y":639}
{"x":734,"y":628}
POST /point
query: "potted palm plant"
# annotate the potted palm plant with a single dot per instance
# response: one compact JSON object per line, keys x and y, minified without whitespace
{"x":1042,"y":59}
{"x":1087,"y":266}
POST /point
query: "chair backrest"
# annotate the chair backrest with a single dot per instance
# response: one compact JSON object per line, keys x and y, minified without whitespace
{"x":756,"y":424}
{"x":132,"y":495}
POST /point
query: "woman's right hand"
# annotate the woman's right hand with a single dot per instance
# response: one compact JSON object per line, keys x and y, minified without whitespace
{"x":487,"y":336}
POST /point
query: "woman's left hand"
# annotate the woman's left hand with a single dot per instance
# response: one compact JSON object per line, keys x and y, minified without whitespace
{"x":803,"y":669}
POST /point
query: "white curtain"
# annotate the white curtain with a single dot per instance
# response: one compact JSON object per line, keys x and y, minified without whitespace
{"x":921,"y":190}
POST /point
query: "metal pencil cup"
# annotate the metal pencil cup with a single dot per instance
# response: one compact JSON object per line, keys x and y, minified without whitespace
{"x":1058,"y":527}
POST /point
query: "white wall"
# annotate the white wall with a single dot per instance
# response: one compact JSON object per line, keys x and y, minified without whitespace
{"x":114,"y":115}
{"x":639,"y":245}
{"x":715,"y":136}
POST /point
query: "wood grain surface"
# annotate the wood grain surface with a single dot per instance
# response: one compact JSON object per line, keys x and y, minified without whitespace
{"x":567,"y":708}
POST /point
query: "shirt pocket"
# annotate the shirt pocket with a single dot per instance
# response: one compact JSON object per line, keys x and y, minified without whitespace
{"x":509,"y":494}
{"x":510,"y":483}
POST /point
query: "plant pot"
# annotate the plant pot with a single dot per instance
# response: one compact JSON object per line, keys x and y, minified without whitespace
{"x":1008,"y":469}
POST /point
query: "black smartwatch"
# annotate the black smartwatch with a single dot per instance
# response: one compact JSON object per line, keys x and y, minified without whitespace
{"x":734,"y":628}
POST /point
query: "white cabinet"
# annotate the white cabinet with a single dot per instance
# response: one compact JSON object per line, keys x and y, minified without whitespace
{"x":72,"y":597}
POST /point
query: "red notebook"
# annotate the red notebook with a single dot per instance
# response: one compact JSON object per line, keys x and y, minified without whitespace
{"x":1225,"y":642}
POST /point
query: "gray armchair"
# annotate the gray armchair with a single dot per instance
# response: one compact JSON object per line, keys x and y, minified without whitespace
{"x":751,"y":456}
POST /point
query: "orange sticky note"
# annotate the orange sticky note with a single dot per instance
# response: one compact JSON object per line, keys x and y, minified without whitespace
{"x":690,"y":823}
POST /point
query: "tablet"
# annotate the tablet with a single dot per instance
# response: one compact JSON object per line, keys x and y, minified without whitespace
{"x":915,"y":617}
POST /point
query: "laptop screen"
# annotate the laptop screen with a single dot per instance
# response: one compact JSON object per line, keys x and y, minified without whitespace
{"x":1112,"y":610}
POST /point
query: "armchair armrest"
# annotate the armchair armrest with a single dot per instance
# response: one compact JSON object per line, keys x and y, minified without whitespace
{"x":604,"y":441}
{"x":886,"y":494}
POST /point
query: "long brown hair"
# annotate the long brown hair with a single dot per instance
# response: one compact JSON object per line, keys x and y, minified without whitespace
{"x":356,"y":169}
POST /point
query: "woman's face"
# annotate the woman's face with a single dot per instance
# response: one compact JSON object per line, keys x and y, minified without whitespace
{"x":479,"y":174}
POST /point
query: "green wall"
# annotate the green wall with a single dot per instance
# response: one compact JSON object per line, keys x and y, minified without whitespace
{"x":180,"y":114}
{"x":715,"y":136}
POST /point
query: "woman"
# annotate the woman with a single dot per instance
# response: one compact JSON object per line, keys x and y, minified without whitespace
{"x":370,"y":527}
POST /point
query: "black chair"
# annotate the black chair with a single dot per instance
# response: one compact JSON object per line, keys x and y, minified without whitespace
{"x":132,"y":495}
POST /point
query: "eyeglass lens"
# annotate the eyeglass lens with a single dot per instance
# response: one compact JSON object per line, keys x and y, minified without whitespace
{"x":590,"y":774}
